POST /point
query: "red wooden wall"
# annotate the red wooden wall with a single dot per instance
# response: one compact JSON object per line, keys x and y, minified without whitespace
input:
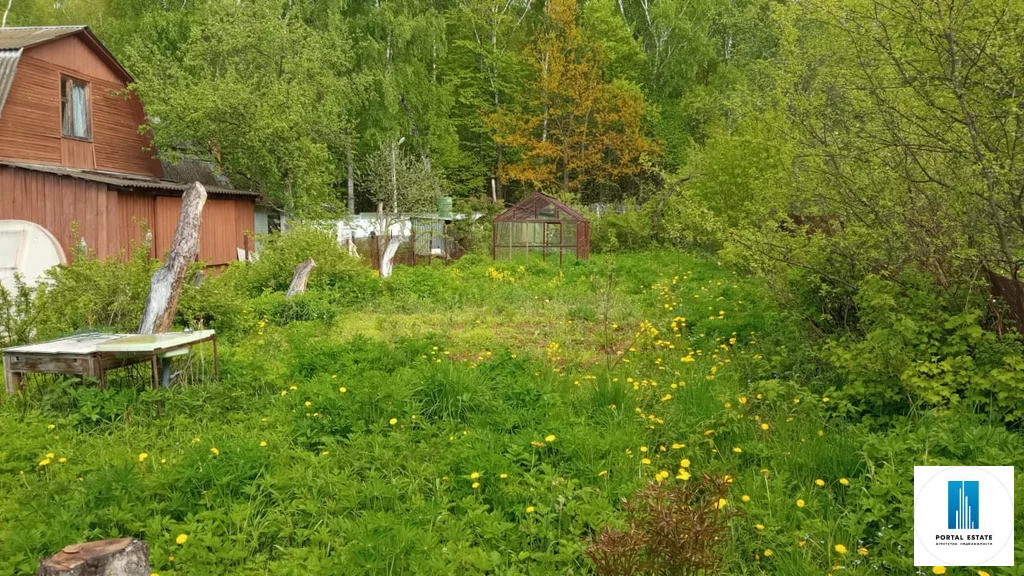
{"x":109,"y":220}
{"x":30,"y":123}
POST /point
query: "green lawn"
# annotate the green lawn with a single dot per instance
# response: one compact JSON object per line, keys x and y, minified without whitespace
{"x":481,"y":418}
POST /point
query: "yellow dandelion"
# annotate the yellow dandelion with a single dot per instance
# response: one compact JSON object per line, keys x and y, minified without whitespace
{"x":864,"y":551}
{"x":181,"y":539}
{"x":840,"y":548}
{"x":549,"y":438}
{"x":765,"y":426}
{"x":745,"y":498}
{"x":44,"y":462}
{"x":819,"y":482}
{"x":602,"y":473}
{"x":983,"y":573}
{"x":844,"y":481}
{"x":800,"y":503}
{"x":62,"y":460}
{"x":743,"y":399}
{"x":530,"y":509}
{"x":683,"y":475}
{"x":143,"y":456}
{"x":51,"y":426}
{"x":720,"y":504}
{"x":645,"y":461}
{"x":393,"y":421}
{"x":474,"y":475}
{"x":502,"y":475}
{"x":643,"y":448}
{"x":263,"y":443}
{"x":342,"y":389}
{"x":768,"y":553}
{"x":737,"y":449}
{"x":476,"y":485}
{"x":214,"y":451}
{"x":684,"y":463}
{"x":939,"y":570}
{"x":759,"y":527}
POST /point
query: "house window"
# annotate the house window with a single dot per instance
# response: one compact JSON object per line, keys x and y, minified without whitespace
{"x":74,"y":107}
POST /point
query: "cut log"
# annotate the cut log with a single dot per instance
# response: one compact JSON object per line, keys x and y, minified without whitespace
{"x":120,"y":557}
{"x":302,"y":272}
{"x":165,"y":288}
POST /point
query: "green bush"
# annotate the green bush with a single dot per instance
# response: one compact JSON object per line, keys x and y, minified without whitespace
{"x":613,"y":232}
{"x":93,"y":294}
{"x":916,"y":351}
{"x":281,"y":253}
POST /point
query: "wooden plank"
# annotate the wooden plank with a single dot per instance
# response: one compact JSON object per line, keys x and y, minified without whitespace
{"x":47,"y":363}
{"x":144,"y":343}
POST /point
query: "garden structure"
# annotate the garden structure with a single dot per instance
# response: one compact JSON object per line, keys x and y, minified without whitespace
{"x":541,"y":224}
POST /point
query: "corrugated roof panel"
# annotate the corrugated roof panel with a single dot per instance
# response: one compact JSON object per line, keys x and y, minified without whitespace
{"x":25,"y":36}
{"x":8,"y":67}
{"x":120,"y":180}
{"x":28,"y":36}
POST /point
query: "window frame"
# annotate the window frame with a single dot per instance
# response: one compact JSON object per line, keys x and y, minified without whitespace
{"x":67,"y":83}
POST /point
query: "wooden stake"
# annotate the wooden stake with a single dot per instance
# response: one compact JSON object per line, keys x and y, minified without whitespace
{"x":301,"y":277}
{"x":165,"y":288}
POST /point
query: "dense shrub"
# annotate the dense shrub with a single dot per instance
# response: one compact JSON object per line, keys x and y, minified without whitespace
{"x":915,"y":351}
{"x":630,"y":231}
{"x":281,"y":253}
{"x":93,"y":294}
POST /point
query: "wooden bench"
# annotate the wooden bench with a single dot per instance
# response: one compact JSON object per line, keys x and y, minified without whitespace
{"x":92,"y":354}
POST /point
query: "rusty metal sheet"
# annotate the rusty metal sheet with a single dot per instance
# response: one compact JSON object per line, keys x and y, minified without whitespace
{"x":8,"y":68}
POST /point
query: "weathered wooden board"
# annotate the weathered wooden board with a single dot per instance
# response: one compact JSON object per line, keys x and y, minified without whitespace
{"x":143,"y":343}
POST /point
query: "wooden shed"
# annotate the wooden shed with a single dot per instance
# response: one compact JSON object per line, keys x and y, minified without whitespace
{"x":72,"y":156}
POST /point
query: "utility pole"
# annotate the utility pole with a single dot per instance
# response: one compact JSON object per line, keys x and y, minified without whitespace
{"x":394,"y":174}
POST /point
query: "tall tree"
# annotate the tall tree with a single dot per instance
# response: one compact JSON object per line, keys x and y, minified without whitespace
{"x":572,"y":128}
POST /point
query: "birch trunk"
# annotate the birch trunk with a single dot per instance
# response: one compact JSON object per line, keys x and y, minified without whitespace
{"x":165,"y":288}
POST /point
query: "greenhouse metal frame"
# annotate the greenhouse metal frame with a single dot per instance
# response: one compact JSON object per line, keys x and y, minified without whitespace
{"x":540,"y":223}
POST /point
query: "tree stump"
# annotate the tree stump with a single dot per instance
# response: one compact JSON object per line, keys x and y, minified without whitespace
{"x":165,"y":288}
{"x":301,"y":278}
{"x":119,"y":557}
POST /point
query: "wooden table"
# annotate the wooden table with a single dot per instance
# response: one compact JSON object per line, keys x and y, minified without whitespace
{"x":91,"y":355}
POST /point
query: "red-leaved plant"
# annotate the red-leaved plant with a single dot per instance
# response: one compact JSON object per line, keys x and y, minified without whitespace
{"x":674,"y":529}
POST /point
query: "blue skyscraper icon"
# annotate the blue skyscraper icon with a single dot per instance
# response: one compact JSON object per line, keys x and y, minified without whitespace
{"x":963,"y":505}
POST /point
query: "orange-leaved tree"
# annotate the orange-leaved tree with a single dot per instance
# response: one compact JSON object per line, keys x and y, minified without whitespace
{"x":572,"y":128}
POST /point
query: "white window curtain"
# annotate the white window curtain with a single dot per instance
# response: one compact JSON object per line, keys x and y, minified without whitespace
{"x":79,"y":124}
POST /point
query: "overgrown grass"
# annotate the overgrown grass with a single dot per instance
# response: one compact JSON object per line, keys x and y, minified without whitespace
{"x":478,"y":418}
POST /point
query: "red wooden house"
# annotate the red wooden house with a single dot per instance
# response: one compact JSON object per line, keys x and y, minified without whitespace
{"x":72,"y":156}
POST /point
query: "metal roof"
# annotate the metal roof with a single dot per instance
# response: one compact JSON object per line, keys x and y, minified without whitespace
{"x":119,"y":180}
{"x":540,"y":207}
{"x":192,"y":169}
{"x":25,"y":36}
{"x":8,"y":67}
{"x":28,"y":36}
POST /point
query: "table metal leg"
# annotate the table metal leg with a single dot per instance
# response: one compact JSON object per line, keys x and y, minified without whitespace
{"x":216,"y":362}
